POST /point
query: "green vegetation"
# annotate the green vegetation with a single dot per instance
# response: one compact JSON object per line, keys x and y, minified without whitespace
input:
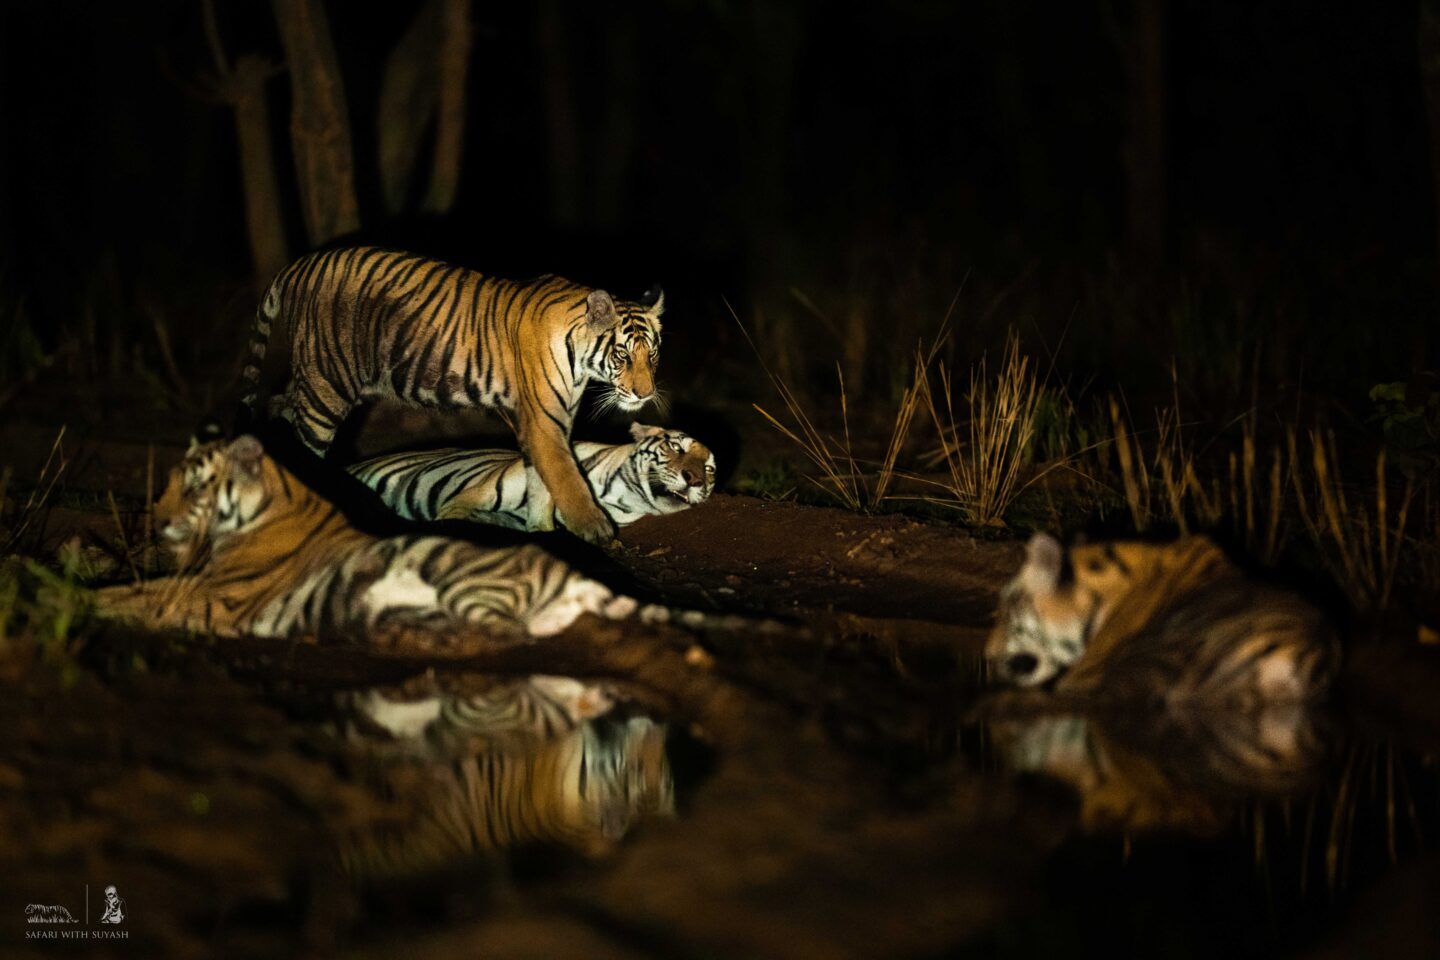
{"x":40,"y":611}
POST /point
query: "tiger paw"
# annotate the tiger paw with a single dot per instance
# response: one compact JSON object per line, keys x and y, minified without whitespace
{"x":591,"y":525}
{"x":120,"y":602}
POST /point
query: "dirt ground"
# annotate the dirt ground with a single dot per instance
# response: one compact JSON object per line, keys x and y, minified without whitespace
{"x":833,"y":794}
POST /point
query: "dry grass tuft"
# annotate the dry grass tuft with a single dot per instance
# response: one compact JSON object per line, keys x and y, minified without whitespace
{"x":1359,"y":530}
{"x":984,"y":454}
{"x":1375,"y":534}
{"x":838,"y":472}
{"x":1364,"y":551}
{"x":13,"y":528}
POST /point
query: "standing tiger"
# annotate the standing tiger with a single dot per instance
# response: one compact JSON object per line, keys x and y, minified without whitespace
{"x":1176,"y":621}
{"x":660,"y":472}
{"x":362,"y":322}
{"x":262,"y":554}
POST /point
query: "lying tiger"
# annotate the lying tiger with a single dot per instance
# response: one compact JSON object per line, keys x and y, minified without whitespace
{"x":47,"y":913}
{"x":261,"y":554}
{"x":358,"y":323}
{"x":1121,"y":620}
{"x":660,"y":472}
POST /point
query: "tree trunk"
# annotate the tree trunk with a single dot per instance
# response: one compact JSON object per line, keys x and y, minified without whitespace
{"x":424,"y":84}
{"x":616,"y":136}
{"x":319,"y":121}
{"x":409,"y":94}
{"x":1145,"y":149}
{"x":560,"y":114}
{"x":450,"y":124}
{"x":1429,"y":44}
{"x":263,"y":221}
{"x":776,"y":33}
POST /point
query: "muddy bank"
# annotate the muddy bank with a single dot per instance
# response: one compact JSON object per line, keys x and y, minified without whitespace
{"x":201,"y":779}
{"x":784,"y":555}
{"x":827,"y":789}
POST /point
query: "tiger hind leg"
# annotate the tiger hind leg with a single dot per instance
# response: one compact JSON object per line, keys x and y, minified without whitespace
{"x":478,"y":505}
{"x":315,"y":420}
{"x":580,"y":596}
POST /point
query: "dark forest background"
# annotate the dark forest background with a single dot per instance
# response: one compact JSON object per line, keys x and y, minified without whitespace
{"x":1245,"y":187}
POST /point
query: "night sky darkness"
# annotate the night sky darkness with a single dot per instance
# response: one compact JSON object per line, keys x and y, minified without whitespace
{"x":763,"y":145}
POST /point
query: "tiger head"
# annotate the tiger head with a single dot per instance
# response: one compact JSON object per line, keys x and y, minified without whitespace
{"x":627,"y":346}
{"x":1053,"y":606}
{"x":626,"y":779}
{"x":678,"y":468}
{"x":220,"y":487}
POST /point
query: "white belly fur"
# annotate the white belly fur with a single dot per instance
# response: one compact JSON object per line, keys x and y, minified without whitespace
{"x":399,"y":588}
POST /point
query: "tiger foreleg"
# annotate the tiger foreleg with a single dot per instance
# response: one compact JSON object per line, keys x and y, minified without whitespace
{"x":545,"y":442}
{"x":567,"y":497}
{"x":167,"y":603}
{"x":539,"y":505}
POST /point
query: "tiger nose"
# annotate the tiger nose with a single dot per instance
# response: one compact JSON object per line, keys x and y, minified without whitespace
{"x":1021,"y":665}
{"x":692,"y":478}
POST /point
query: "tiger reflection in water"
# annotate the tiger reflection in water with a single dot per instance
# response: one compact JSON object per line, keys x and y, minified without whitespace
{"x":1187,"y":770}
{"x":481,"y":765}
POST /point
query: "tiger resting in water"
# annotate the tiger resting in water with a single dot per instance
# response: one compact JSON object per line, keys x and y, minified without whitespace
{"x":1177,"y":620}
{"x":661,"y":472}
{"x":261,"y":554}
{"x":362,"y":322}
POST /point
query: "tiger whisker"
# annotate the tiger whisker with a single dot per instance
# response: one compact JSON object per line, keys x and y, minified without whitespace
{"x":660,"y":403}
{"x":608,"y":400}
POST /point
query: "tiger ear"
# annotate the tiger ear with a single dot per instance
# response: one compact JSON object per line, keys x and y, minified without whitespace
{"x":600,"y":310}
{"x":246,"y":453}
{"x":653,"y":300}
{"x":1043,"y":559}
{"x":639,"y":431}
